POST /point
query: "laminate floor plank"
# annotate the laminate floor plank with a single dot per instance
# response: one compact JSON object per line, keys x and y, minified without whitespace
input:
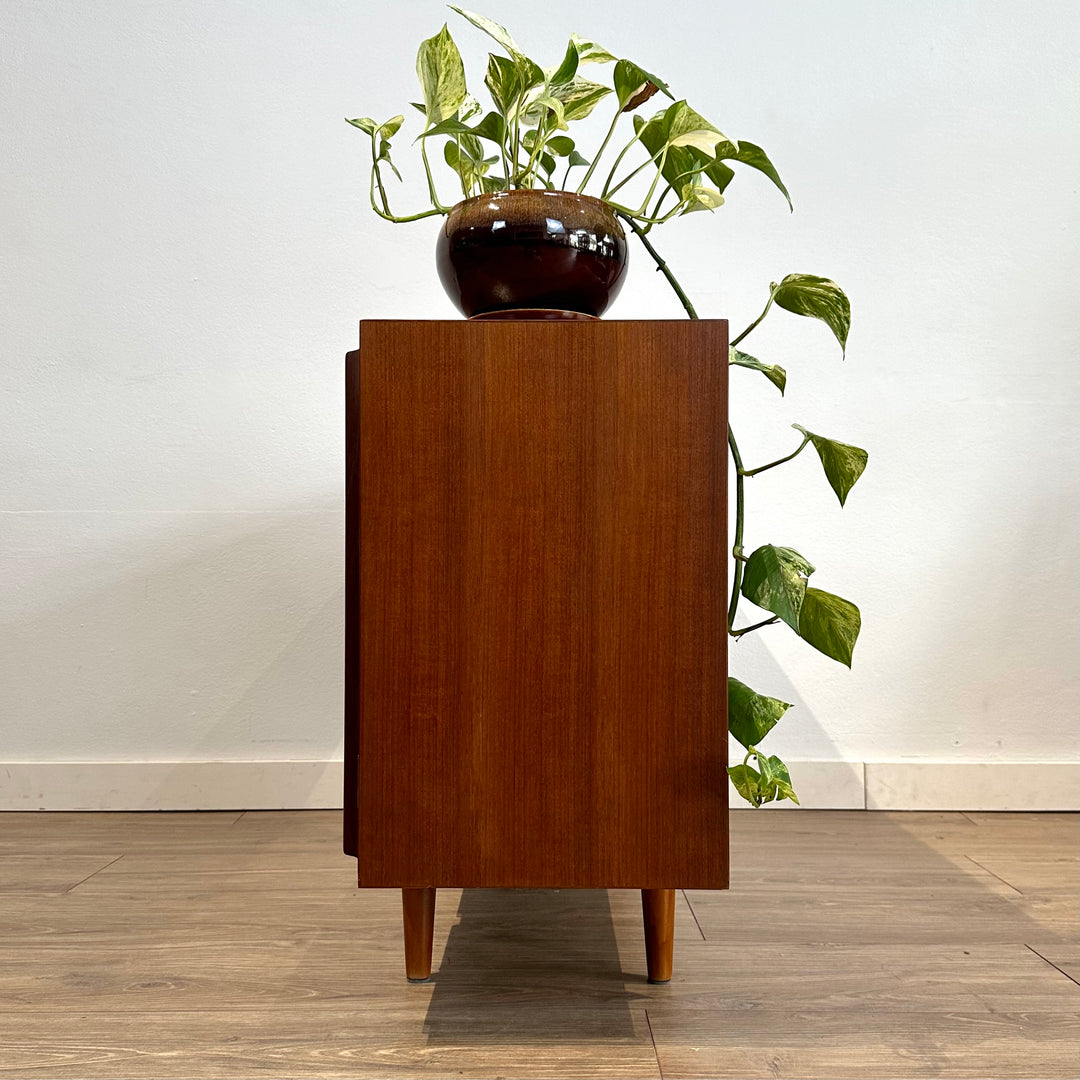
{"x":915,"y":916}
{"x":125,"y":883}
{"x":316,"y":856}
{"x":970,"y":1047}
{"x":869,"y":1011}
{"x":1062,"y":954}
{"x":337,"y":1042}
{"x":237,"y":945}
{"x":1030,"y":874}
{"x":41,"y":875}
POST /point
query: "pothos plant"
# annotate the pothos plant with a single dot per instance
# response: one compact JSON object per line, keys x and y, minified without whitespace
{"x":678,"y":158}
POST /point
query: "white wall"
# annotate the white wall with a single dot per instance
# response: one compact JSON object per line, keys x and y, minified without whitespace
{"x":187,"y":249}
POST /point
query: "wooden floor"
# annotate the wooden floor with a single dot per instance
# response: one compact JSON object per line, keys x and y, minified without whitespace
{"x":236,"y":945}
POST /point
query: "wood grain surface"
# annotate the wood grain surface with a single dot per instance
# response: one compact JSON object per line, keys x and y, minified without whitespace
{"x":227,"y":946}
{"x":536,"y":625}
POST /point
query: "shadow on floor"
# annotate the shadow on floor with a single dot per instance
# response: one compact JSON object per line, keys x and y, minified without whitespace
{"x":519,"y":960}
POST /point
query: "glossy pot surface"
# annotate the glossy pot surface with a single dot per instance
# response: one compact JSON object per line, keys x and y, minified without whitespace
{"x":531,"y":249}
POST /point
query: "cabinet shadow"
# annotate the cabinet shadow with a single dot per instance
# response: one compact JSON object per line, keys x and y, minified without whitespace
{"x":521,"y":964}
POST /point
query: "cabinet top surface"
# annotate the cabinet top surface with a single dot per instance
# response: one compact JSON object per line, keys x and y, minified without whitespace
{"x":577,"y":323}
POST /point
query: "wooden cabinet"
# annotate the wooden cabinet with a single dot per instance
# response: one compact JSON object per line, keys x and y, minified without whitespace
{"x":536,"y":666}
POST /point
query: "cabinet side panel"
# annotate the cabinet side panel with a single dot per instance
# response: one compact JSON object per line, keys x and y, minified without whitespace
{"x":420,"y":473}
{"x":542,"y":629}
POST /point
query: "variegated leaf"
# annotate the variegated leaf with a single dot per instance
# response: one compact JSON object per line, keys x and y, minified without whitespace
{"x":442,"y":76}
{"x":842,"y":462}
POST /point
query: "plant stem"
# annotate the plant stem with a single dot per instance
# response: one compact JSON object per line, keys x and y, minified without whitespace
{"x":630,"y":176}
{"x":660,"y":264}
{"x":611,"y":175}
{"x":740,"y":507}
{"x":599,"y":153}
{"x":779,"y":461}
{"x":736,"y":548}
{"x":740,"y":477}
{"x":376,"y":177}
{"x":430,"y":182}
{"x":517,"y":140}
{"x":411,"y":217}
{"x":655,"y":179}
{"x":464,"y":192}
{"x":756,"y":626}
{"x":503,"y":154}
{"x":626,"y":211}
{"x":660,"y":202}
{"x":755,"y":322}
{"x":538,"y":145}
{"x":754,"y":802}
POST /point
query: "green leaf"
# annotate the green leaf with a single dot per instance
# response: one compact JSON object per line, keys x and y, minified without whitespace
{"x":391,"y":127}
{"x":364,"y":123}
{"x":685,"y":127}
{"x":568,"y":68}
{"x":589,"y":52}
{"x":454,"y":158}
{"x":773,"y":372}
{"x":466,"y":159}
{"x":492,"y":128}
{"x":681,"y":164}
{"x":504,"y":83}
{"x":756,"y":158}
{"x":576,"y":159}
{"x":442,"y":76}
{"x":843,"y":463}
{"x":541,"y":105}
{"x":630,"y":79}
{"x":818,"y":298}
{"x":747,"y":783}
{"x":560,"y":145}
{"x":774,"y":578}
{"x":451,"y":126}
{"x":384,"y":155}
{"x":830,"y":624}
{"x":774,"y":781}
{"x":719,"y":174}
{"x":579,"y":97}
{"x":471,"y":146}
{"x":751,"y":716}
{"x":493,"y":183}
{"x":493,"y":30}
{"x":547,"y":163}
{"x":509,"y":81}
{"x":696,"y":197}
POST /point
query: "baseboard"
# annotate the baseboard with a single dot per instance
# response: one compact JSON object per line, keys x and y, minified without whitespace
{"x":171,"y":785}
{"x":300,"y":785}
{"x":981,"y":785}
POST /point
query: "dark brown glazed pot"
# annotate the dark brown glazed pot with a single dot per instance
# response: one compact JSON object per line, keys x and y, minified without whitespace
{"x":531,"y":249}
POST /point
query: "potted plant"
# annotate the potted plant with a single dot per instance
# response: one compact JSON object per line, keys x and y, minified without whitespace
{"x":538,"y":228}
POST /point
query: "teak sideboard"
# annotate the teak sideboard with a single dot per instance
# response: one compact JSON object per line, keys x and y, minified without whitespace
{"x":536,"y":635}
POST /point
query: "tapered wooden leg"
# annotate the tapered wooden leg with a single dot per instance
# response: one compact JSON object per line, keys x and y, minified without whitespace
{"x":418,"y":911}
{"x":658,"y":907}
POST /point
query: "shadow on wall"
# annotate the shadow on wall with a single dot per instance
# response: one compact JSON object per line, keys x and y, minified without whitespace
{"x":174,"y":636}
